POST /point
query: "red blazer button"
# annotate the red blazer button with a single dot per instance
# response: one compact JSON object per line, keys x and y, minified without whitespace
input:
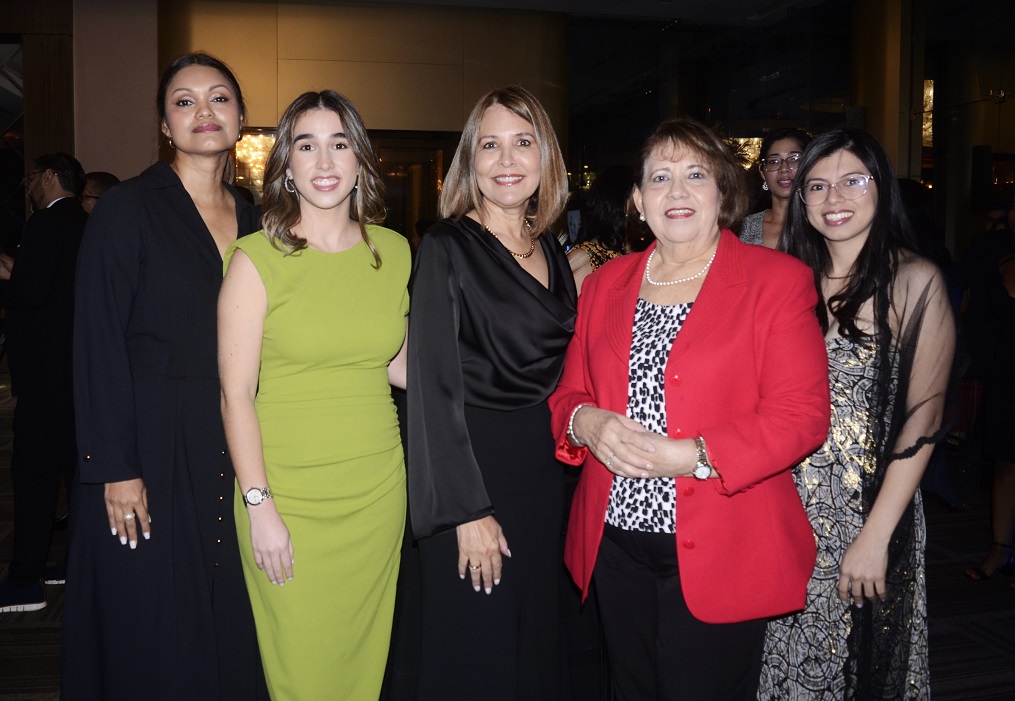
{"x":688,"y":491}
{"x":675,"y":380}
{"x":677,"y":433}
{"x":689,"y":544}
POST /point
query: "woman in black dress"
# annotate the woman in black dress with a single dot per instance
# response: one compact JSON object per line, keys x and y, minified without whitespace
{"x":493,"y":309}
{"x":156,"y":607}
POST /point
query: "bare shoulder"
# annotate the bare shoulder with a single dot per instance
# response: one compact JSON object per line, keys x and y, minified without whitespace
{"x":578,"y":258}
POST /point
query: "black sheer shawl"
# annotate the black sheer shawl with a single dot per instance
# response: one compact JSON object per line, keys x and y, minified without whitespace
{"x":913,"y":364}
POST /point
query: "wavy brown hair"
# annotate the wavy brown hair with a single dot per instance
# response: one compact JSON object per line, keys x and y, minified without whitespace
{"x":282,"y":208}
{"x":461,"y":194}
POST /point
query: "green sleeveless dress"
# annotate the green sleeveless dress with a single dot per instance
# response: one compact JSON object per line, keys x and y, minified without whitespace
{"x":334,"y":463}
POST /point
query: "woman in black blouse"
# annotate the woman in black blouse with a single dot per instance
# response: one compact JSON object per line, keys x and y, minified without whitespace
{"x":493,"y":309}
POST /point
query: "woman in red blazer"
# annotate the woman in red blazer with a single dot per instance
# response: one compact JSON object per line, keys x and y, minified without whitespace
{"x":696,"y":378}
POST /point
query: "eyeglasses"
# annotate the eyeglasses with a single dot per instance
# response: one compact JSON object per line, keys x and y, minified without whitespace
{"x":852,"y":187}
{"x":28,"y":178}
{"x":773,"y":163}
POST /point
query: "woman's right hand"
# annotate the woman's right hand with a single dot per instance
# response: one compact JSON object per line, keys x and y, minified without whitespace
{"x":273,"y":548}
{"x":480,"y":546}
{"x":620,"y":443}
{"x":126,"y":507}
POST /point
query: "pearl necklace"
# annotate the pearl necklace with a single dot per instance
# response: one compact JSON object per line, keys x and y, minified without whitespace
{"x":697,"y":275}
{"x":520,"y":256}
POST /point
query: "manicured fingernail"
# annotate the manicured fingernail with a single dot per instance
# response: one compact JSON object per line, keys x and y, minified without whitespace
{"x":496,"y":582}
{"x":133,"y":544}
{"x":461,"y":575}
{"x":113,"y":531}
{"x":859,"y":604}
{"x":149,"y":518}
{"x":476,"y":588}
{"x":489,"y":590}
{"x":509,"y":552}
{"x":147,"y":536}
{"x":123,"y":540}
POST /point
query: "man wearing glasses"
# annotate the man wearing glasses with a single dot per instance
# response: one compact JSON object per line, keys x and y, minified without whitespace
{"x":96,"y":185}
{"x":37,"y":289}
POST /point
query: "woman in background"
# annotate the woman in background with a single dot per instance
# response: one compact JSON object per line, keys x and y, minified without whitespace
{"x":780,"y":155}
{"x":156,"y":606}
{"x":493,"y":310}
{"x":311,"y":334}
{"x":603,"y":232}
{"x":890,"y":337}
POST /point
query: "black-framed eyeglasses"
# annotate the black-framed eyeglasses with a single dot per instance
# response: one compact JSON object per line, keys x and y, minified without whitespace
{"x":852,"y":187}
{"x":773,"y":163}
{"x":25,"y":180}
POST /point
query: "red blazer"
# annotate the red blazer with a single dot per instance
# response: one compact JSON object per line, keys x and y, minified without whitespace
{"x":748,"y":372}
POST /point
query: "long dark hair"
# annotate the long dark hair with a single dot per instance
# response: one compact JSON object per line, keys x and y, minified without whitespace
{"x":605,"y":218}
{"x":282,"y":208}
{"x":873,"y":273}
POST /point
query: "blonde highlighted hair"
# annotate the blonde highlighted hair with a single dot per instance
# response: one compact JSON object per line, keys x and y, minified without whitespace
{"x":461,"y":193}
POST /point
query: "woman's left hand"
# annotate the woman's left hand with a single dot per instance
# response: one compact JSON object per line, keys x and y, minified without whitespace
{"x":862,"y":570}
{"x":481,"y":543}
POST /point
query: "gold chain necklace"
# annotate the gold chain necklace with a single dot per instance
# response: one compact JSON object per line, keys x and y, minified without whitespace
{"x":520,"y":256}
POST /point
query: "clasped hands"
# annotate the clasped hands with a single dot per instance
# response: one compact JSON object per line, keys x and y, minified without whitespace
{"x":628,"y":449}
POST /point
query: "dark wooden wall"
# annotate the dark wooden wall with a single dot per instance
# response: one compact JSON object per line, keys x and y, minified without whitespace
{"x":44,"y":28}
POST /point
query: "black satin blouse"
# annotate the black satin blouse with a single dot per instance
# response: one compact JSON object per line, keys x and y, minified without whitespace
{"x":483,"y":332}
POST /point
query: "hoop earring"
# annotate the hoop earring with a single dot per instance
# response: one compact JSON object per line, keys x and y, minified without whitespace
{"x":764,"y":185}
{"x":171,"y":144}
{"x":289,"y":185}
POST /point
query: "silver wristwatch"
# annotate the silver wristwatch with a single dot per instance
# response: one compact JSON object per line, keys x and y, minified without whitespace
{"x":255,"y":496}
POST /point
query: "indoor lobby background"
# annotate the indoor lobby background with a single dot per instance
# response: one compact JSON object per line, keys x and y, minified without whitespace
{"x":931,"y":79}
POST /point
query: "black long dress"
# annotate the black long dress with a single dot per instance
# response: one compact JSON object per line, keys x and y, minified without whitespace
{"x":486,"y":348}
{"x":170,"y":620}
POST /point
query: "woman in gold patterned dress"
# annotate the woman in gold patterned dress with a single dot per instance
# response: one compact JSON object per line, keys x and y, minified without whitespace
{"x":890,"y":338}
{"x":603,"y":233}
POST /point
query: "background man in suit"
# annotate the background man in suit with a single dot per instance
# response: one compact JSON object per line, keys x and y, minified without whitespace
{"x":37,"y":290}
{"x":96,"y":185}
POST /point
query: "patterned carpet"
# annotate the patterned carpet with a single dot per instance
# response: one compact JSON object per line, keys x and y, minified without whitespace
{"x":972,"y":625}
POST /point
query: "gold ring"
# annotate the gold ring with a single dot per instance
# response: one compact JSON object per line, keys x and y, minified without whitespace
{"x":128,"y":517}
{"x":477,"y":567}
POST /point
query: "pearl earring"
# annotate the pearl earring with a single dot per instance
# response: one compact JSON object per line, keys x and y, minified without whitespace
{"x":641,"y":216}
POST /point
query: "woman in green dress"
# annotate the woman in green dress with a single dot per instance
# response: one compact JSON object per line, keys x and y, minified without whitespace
{"x":311,"y":333}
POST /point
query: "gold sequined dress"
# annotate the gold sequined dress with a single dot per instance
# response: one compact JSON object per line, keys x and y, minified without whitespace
{"x":830,"y":650}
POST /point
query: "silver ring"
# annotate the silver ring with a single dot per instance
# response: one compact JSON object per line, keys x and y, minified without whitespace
{"x":128,"y":517}
{"x":477,"y":567}
{"x":609,"y":460}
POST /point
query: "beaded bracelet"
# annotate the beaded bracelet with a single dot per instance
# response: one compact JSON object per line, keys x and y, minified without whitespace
{"x":575,"y":440}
